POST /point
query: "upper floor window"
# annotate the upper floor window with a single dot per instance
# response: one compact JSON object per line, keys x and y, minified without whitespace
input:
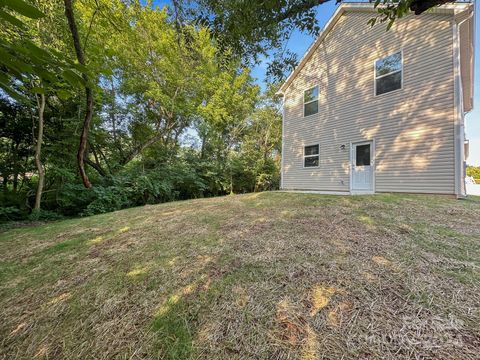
{"x":310,"y":101}
{"x":388,"y":74}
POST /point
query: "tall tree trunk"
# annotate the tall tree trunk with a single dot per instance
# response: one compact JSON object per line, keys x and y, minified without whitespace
{"x":203,"y":139}
{"x":112,"y":112}
{"x":38,"y":150}
{"x":15,"y":182}
{"x":15,"y":167}
{"x":88,"y":93}
{"x":5,"y":182}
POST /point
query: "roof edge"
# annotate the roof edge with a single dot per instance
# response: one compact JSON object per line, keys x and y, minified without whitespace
{"x":328,"y":26}
{"x":452,"y":8}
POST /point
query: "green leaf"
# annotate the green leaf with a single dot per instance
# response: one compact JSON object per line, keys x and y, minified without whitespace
{"x":107,"y":72}
{"x":37,"y":51}
{"x":63,"y":94}
{"x":73,"y":78}
{"x":23,"y":8}
{"x":4,"y":79}
{"x":38,"y":90}
{"x":11,"y":19}
{"x":44,"y":74}
{"x":22,"y":66}
{"x":81,"y":68}
{"x":14,"y":64}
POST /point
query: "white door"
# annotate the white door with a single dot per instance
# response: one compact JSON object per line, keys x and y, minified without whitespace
{"x":362,"y":167}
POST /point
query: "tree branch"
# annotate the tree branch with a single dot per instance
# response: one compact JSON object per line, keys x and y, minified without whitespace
{"x":139,"y":149}
{"x":95,"y":166}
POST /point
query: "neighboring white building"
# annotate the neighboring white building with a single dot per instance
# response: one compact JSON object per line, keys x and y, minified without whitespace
{"x":369,"y":110}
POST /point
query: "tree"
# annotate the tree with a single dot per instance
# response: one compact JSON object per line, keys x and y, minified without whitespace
{"x":254,"y":28}
{"x":21,"y":60}
{"x":27,"y":68}
{"x":173,"y":114}
{"x":170,"y":79}
{"x":38,"y":151}
{"x":261,"y":146}
{"x":474,"y":171}
{"x":16,"y":142}
{"x":82,"y":148}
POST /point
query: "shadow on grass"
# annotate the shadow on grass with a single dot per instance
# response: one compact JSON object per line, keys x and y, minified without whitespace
{"x":174,"y":330}
{"x":177,"y":320}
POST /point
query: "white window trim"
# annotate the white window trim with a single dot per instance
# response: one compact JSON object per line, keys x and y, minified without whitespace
{"x":307,"y":156}
{"x":393,"y":72}
{"x":311,"y":101}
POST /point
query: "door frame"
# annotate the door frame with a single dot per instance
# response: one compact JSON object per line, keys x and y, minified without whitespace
{"x":373,"y":164}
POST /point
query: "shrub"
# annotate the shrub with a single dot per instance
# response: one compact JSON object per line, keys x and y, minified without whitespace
{"x":45,"y":215}
{"x":107,"y":198}
{"x":10,"y":213}
{"x":474,"y":171}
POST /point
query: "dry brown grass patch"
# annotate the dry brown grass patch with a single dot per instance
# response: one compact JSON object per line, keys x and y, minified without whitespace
{"x":272,"y":276}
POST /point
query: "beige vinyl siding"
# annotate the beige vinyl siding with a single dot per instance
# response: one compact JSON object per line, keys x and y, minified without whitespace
{"x":412,"y":127}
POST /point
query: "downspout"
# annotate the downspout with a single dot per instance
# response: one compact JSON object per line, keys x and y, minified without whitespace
{"x":459,"y":126}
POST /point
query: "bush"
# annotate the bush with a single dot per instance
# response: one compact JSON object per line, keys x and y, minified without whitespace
{"x":138,"y":186}
{"x":10,"y":213}
{"x":45,"y":215}
{"x":107,"y":199}
{"x":184,"y":176}
{"x":474,"y":171}
{"x":73,"y":199}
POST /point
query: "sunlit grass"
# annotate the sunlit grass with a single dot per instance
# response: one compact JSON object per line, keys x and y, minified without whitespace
{"x":265,"y":275}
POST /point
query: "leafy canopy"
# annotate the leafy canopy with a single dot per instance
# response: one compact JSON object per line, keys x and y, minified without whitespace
{"x":22,"y":60}
{"x":255,"y":28}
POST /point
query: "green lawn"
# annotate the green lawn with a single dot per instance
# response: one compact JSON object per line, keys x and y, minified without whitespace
{"x":267,"y":275}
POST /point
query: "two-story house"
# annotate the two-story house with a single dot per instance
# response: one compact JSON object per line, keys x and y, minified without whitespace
{"x":369,"y":110}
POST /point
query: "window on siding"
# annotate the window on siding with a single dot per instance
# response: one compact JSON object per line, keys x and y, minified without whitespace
{"x":362,"y":155}
{"x":310,"y":101}
{"x":311,"y":156}
{"x":388,"y":74}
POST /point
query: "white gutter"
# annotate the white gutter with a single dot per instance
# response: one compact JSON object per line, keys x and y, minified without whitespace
{"x":459,"y":122}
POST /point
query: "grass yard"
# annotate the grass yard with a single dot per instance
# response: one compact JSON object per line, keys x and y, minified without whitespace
{"x":264,"y":276}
